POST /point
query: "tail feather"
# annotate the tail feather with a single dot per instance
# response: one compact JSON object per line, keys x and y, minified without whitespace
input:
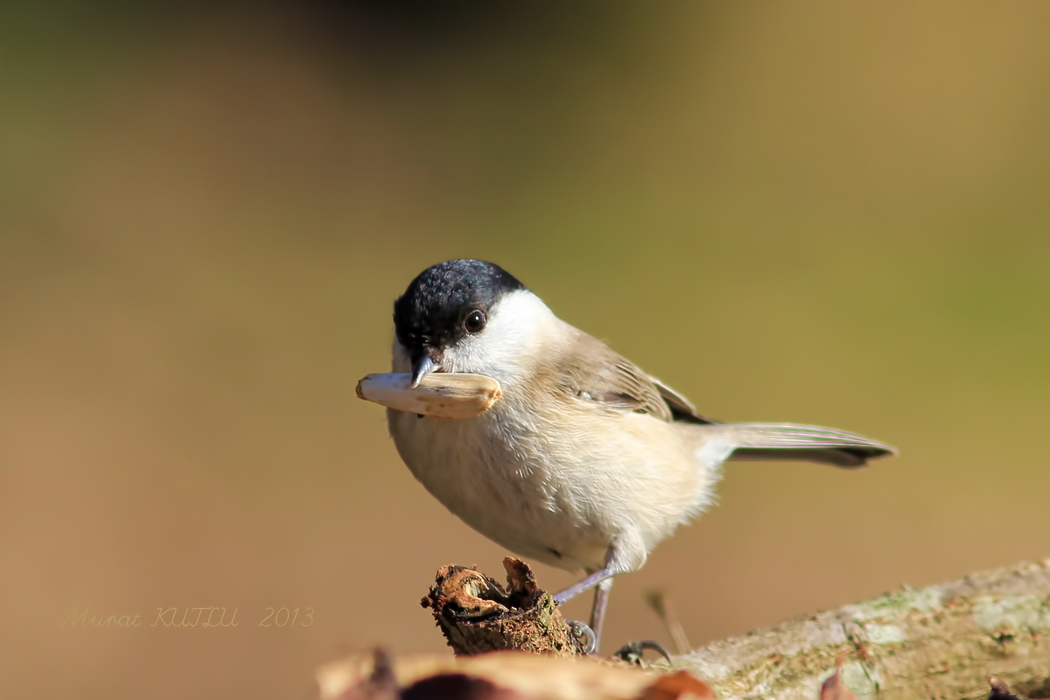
{"x":785,"y":441}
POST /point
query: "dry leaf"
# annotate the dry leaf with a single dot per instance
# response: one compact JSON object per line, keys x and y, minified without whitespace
{"x":457,"y":686}
{"x":677,"y":686}
{"x":503,"y":675}
{"x":1000,"y":690}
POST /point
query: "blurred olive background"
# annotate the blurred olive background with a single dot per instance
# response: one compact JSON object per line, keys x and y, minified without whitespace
{"x":815,"y":212}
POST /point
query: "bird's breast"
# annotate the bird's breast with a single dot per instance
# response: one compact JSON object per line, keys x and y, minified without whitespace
{"x":504,"y":474}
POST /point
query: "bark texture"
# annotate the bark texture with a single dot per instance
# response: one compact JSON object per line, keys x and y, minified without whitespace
{"x":938,"y":642}
{"x":476,"y":614}
{"x":944,"y":641}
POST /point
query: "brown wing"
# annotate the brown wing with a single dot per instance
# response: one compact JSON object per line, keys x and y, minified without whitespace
{"x":590,"y":370}
{"x":681,"y":408}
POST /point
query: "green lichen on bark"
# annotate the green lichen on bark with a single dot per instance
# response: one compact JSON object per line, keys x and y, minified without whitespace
{"x":937,"y":642}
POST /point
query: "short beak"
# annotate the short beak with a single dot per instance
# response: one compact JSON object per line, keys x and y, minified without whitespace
{"x":423,"y":366}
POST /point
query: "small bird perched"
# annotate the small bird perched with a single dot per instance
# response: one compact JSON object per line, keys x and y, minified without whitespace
{"x":587,"y":462}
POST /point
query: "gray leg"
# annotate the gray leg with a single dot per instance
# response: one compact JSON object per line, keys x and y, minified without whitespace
{"x":603,"y":580}
{"x":591,"y":581}
{"x":584,"y":585}
{"x":601,"y":602}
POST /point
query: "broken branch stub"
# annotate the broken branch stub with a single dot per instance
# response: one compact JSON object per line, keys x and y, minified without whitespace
{"x":477,"y":614}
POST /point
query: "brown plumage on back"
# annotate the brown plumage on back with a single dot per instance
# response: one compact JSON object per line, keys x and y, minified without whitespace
{"x":588,"y":368}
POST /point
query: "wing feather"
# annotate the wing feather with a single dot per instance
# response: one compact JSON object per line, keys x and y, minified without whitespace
{"x":681,"y":408}
{"x":593,"y":372}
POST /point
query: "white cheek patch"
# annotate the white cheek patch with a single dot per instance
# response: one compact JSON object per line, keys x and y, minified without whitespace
{"x":516,"y":325}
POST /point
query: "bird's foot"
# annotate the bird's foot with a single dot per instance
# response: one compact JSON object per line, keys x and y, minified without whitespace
{"x":584,"y":635}
{"x":632,"y":653}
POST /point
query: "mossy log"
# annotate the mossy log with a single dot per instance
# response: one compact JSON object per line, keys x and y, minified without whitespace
{"x":943,"y":641}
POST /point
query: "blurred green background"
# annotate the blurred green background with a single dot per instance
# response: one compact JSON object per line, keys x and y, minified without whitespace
{"x":813,"y":212}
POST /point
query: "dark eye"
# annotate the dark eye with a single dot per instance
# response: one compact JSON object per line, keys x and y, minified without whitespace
{"x":474,"y":321}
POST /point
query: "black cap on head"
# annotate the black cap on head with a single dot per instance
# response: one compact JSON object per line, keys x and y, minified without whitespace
{"x":432,"y":311}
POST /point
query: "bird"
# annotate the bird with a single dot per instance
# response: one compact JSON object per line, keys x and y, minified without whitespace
{"x":587,"y":462}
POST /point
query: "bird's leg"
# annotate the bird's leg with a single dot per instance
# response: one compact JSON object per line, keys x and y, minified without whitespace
{"x":590,"y":637}
{"x":562,"y":597}
{"x":601,"y":602}
{"x":603,"y":580}
{"x":611,"y":569}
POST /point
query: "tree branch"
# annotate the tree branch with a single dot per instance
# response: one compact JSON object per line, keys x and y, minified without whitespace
{"x":938,"y":642}
{"x":943,"y":641}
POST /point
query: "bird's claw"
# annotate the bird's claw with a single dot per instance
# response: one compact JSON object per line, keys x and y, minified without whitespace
{"x":632,"y":653}
{"x":584,"y":635}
